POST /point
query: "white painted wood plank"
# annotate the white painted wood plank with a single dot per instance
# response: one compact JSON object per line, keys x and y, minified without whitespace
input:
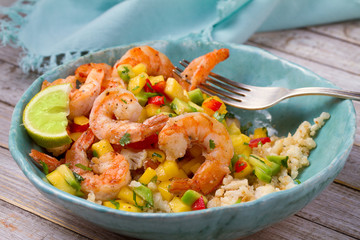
{"x":309,"y":45}
{"x":347,"y":31}
{"x":18,"y":225}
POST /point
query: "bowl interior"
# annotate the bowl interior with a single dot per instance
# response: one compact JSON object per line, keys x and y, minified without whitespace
{"x":245,"y":64}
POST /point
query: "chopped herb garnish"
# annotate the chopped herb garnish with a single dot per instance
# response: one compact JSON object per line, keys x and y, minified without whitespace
{"x":124,"y":101}
{"x":229,"y":115}
{"x":245,"y":143}
{"x":135,"y":88}
{"x":126,"y":139}
{"x":297,"y":181}
{"x":95,"y":154}
{"x":193,"y":109}
{"x":79,"y":165}
{"x":78,"y":177}
{"x":151,"y":94}
{"x":154,"y":179}
{"x":238,"y":201}
{"x":149,"y":85}
{"x":156,"y":155}
{"x":212,"y":144}
{"x":136,"y":204}
{"x":219,"y":117}
{"x":245,"y":127}
{"x":173,"y":106}
{"x":115,"y":203}
{"x":45,"y":167}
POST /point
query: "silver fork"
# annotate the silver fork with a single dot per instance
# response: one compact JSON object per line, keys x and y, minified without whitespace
{"x":255,"y":98}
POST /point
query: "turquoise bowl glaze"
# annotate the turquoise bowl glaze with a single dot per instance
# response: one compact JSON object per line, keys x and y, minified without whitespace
{"x":248,"y":65}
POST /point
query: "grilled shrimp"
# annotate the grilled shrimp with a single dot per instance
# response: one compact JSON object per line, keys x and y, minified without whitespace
{"x":109,"y":80}
{"x":109,"y":173}
{"x":77,"y":153}
{"x":69,"y":79}
{"x":156,"y":62}
{"x":200,"y":67}
{"x":115,"y":113}
{"x":182,"y":132}
{"x":51,"y":162}
{"x":81,"y":100}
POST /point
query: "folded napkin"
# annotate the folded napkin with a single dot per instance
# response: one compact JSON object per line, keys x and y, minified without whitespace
{"x":53,"y":29}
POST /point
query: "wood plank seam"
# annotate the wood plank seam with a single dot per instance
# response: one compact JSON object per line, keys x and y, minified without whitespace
{"x":331,"y":36}
{"x":329,"y":227}
{"x":29,"y":210}
{"x":307,"y":59}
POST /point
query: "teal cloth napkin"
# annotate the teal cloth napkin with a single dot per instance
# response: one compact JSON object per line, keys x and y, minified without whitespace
{"x":71,"y":27}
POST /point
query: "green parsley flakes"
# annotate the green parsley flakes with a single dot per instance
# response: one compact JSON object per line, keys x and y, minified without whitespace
{"x":125,"y":140}
{"x":211,"y":144}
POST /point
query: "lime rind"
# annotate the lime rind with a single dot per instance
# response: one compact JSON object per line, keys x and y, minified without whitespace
{"x":45,"y":115}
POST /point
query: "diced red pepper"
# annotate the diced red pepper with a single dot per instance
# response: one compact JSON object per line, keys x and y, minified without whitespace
{"x":213,"y":104}
{"x":146,"y":143}
{"x":159,"y":86}
{"x":199,"y":204}
{"x":78,"y":128}
{"x":157,"y":100}
{"x":255,"y":142}
{"x":240,"y":165}
{"x":148,"y":86}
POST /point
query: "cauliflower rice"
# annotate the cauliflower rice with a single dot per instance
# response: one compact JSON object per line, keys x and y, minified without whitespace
{"x":297,"y":147}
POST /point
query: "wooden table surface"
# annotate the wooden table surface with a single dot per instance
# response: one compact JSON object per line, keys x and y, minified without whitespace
{"x":332,"y":51}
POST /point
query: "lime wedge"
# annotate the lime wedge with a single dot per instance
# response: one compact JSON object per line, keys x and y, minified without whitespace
{"x":44,"y":116}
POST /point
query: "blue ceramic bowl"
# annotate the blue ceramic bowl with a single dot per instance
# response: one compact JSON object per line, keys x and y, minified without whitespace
{"x":248,"y":65}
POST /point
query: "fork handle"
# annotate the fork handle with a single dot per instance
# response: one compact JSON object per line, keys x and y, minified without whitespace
{"x":324,"y":91}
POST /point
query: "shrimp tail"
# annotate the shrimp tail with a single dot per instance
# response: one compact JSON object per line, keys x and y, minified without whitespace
{"x":154,"y":124}
{"x":51,"y":162}
{"x":77,"y":153}
{"x":181,"y":185}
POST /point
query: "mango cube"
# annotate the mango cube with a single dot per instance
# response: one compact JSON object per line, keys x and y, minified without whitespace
{"x":193,"y":164}
{"x":163,"y":188}
{"x":139,"y":68}
{"x":240,"y":143}
{"x":137,"y":83}
{"x":174,"y":90}
{"x":58,"y":181}
{"x":125,"y":72}
{"x":147,"y":176}
{"x":260,"y":133}
{"x":152,"y":109}
{"x":167,"y":170}
{"x":155,"y":79}
{"x":121,"y":205}
{"x":177,"y":205}
{"x":101,"y":148}
{"x":127,"y":195}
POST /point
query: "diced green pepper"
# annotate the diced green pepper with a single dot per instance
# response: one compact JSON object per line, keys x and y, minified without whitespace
{"x":262,"y":175}
{"x":196,"y":96}
{"x":190,"y":196}
{"x":145,"y":193}
{"x":281,"y":160}
{"x":69,"y":176}
{"x":180,"y":106}
{"x":195,"y":107}
{"x":256,"y":162}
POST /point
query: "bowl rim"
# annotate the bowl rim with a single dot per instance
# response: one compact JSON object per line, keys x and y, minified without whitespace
{"x":26,"y":166}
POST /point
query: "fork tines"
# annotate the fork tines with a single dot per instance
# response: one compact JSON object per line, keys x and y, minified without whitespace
{"x":229,"y":91}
